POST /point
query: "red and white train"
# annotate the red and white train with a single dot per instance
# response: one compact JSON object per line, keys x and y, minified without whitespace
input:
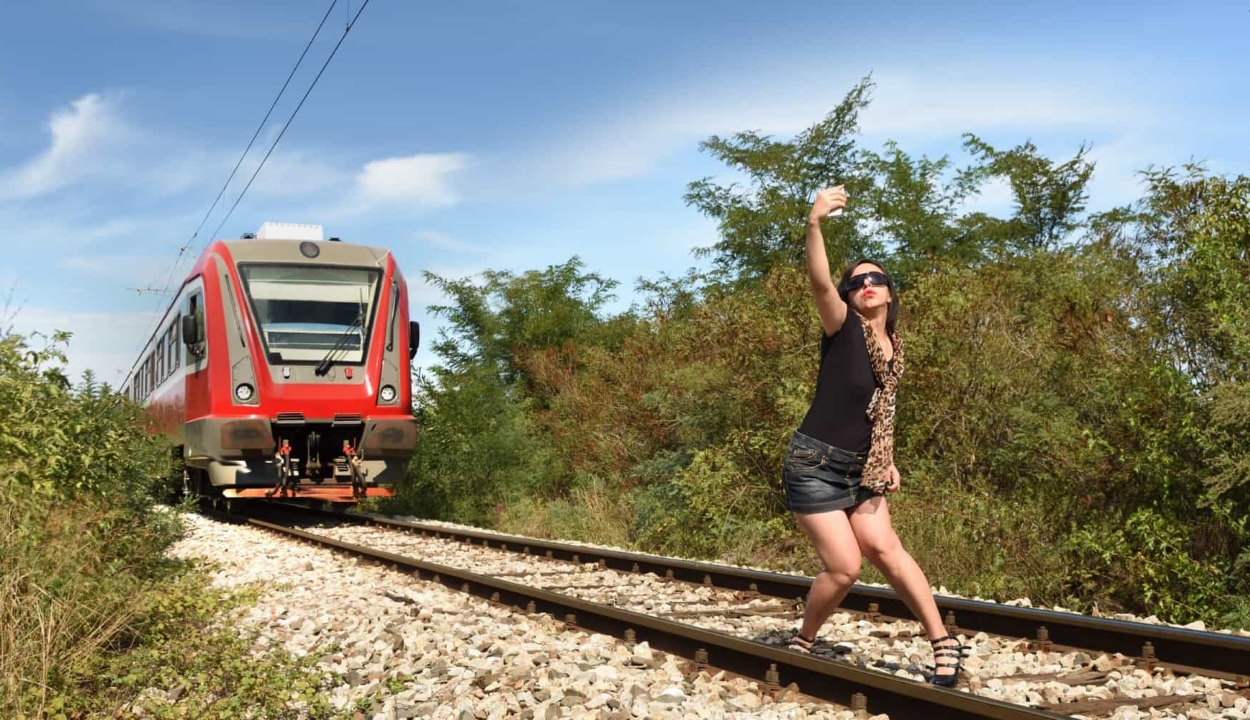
{"x":281,"y":369}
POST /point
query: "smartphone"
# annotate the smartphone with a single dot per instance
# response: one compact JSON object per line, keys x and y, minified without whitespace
{"x":838,"y":212}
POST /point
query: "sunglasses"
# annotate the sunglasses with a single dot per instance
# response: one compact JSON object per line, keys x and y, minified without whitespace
{"x":877,"y":279}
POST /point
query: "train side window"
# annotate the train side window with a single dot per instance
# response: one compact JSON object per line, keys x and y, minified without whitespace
{"x":160,"y":359}
{"x":195,"y":309}
{"x":175,"y":353}
{"x":169,"y":351}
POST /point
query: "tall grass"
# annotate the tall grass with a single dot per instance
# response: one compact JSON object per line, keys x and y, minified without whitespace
{"x":65,"y":596}
{"x":80,"y":546}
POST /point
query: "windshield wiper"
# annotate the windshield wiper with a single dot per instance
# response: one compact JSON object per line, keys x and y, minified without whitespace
{"x":324,"y":366}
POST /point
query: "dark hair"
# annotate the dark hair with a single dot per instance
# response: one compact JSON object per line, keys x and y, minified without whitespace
{"x":891,"y":316}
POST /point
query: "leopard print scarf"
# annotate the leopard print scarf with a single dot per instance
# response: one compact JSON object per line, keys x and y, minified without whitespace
{"x":881,"y":408}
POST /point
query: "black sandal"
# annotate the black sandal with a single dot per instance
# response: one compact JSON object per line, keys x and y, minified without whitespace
{"x":798,"y":643}
{"x":947,"y":652}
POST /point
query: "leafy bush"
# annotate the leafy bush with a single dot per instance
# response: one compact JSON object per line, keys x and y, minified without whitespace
{"x":91,"y":611}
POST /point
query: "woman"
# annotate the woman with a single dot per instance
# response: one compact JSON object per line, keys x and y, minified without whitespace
{"x":840,"y":462}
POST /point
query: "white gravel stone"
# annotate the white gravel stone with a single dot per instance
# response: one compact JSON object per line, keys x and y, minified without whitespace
{"x":454,"y":657}
{"x":898,"y":648}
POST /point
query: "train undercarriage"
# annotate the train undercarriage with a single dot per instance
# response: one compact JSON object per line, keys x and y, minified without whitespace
{"x":342,"y":460}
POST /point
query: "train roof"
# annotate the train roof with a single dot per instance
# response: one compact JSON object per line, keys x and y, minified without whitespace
{"x":325,"y":252}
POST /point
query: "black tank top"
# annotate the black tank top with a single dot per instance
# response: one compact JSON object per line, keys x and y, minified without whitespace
{"x":838,"y":415}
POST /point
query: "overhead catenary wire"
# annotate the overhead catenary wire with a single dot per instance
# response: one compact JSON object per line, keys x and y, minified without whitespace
{"x":264,"y":120}
{"x":295,"y":112}
{"x":183,"y":249}
{"x":191,"y":242}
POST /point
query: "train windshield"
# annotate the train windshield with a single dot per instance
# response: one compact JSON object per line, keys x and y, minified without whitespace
{"x":305,"y":311}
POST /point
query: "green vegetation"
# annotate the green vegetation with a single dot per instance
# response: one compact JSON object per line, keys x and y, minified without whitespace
{"x":91,"y":611}
{"x":1074,"y":425}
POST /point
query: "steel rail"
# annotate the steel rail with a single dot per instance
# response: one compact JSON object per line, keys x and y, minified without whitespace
{"x":845,"y":684}
{"x":1191,"y":651}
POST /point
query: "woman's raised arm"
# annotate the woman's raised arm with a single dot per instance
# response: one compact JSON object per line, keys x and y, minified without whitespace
{"x":828,"y":303}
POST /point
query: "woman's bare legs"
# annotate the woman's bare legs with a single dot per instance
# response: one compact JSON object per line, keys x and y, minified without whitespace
{"x":834,"y":540}
{"x":879,"y":543}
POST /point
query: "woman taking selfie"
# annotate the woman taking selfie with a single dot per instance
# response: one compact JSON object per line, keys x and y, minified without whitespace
{"x":841,"y":459}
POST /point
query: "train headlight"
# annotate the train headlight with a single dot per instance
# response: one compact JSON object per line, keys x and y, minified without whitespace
{"x":244,"y":392}
{"x":387,"y":394}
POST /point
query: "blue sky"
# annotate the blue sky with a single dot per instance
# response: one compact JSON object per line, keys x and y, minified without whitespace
{"x":477,"y":135}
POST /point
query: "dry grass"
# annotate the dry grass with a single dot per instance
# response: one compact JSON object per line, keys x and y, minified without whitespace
{"x":65,"y":596}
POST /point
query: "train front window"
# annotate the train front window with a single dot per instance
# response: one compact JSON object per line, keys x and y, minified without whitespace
{"x":304,"y":311}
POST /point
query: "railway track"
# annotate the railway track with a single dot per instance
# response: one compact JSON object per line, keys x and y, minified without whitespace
{"x":786,"y":674}
{"x":716,"y":616}
{"x":1177,"y":649}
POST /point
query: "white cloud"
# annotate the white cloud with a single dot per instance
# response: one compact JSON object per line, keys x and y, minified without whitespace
{"x":928,"y":103}
{"x":422,"y":179}
{"x":95,"y":149}
{"x":79,"y":134}
{"x":910,"y":104}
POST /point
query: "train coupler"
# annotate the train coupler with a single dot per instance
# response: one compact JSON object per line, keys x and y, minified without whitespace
{"x":356,"y":465}
{"x":282,"y":463}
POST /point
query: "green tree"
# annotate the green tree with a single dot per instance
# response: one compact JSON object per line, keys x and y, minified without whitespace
{"x":1193,"y":229}
{"x":915,"y":205}
{"x":493,"y":322}
{"x":763,"y":225}
{"x":1049,"y":197}
{"x":479,"y":445}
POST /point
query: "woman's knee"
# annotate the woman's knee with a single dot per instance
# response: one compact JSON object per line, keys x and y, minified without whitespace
{"x":883,"y":551}
{"x":843,"y":576}
{"x":881,"y":548}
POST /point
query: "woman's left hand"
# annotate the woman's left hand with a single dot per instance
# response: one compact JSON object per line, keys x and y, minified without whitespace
{"x":895,"y":480}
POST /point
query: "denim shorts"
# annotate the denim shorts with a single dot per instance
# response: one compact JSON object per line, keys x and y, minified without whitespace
{"x":820,"y":478}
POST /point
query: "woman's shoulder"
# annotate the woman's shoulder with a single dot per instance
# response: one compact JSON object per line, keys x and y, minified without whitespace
{"x":851,"y":322}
